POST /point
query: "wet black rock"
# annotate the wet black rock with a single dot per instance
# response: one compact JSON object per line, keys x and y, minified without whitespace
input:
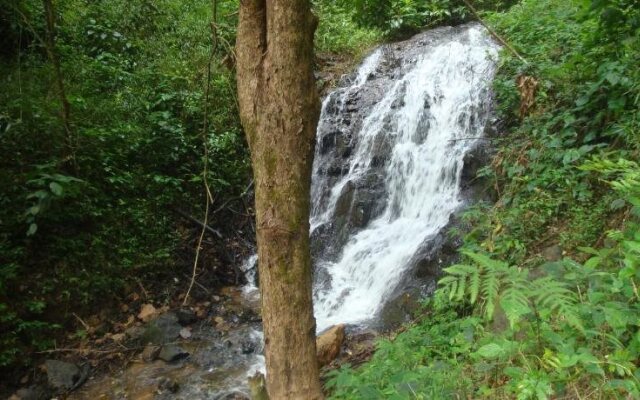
{"x":247,"y":347}
{"x":401,"y":309}
{"x":186,"y":316}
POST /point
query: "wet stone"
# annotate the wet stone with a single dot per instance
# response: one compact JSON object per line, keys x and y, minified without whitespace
{"x":172,"y":353}
{"x":63,"y":376}
{"x":163,"y":329}
{"x":170,"y":385}
{"x":30,"y":393}
{"x":186,"y":316}
{"x":150,"y":353}
{"x":247,"y":347}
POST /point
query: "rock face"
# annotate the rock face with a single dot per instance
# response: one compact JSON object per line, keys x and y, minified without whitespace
{"x":328,"y":344}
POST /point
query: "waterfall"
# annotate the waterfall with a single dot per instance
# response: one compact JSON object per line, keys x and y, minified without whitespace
{"x":397,"y":180}
{"x":387,"y":169}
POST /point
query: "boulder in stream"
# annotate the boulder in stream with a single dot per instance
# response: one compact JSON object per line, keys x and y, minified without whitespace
{"x":64,"y":376}
{"x":163,"y":329}
{"x":329,"y":343}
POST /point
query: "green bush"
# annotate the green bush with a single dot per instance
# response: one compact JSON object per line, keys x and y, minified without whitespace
{"x":398,"y":17}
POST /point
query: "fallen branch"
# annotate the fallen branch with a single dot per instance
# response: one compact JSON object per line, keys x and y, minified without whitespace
{"x":494,"y":33}
{"x":197,"y":222}
{"x":198,"y":284}
{"x":121,"y":350}
{"x":470,"y":138}
{"x":244,"y":192}
{"x":84,"y":324}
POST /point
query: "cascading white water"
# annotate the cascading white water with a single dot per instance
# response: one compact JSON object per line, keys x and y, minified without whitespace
{"x":429,"y":116}
{"x":321,"y":212}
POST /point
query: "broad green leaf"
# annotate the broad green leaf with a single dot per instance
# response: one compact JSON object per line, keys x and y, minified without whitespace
{"x":491,"y":350}
{"x":56,"y":188}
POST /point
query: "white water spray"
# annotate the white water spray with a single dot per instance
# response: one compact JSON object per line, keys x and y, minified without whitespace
{"x":430,"y":117}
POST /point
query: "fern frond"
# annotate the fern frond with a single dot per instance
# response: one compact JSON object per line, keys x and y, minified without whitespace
{"x":474,"y":285}
{"x":515,"y":303}
{"x":453,"y":289}
{"x":460,"y":270}
{"x":490,"y":289}
{"x":486,"y":261}
{"x":553,"y":295}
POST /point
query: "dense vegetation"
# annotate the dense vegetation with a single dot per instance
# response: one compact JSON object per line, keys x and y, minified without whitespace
{"x":401,"y":17}
{"x":89,"y":200}
{"x":544,"y":302}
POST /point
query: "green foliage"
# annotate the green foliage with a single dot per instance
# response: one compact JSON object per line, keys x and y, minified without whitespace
{"x":420,"y":363}
{"x":571,"y":330}
{"x":72,"y":234}
{"x":338,"y":32}
{"x":398,"y":17}
{"x":534,"y":326}
{"x":490,"y":282}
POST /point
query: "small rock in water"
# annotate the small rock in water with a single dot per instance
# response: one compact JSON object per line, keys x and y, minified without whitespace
{"x":163,"y":329}
{"x":172,"y":353}
{"x":247,"y":347}
{"x":186,"y":316}
{"x":221,"y":324}
{"x":185,"y":333}
{"x":150,"y":353}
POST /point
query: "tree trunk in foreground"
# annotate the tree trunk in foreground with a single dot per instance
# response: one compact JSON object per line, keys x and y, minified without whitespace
{"x":279,"y":109}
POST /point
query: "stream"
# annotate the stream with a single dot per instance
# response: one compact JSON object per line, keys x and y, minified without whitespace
{"x":393,"y":142}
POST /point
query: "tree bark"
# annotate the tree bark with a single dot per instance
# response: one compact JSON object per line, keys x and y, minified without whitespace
{"x":279,"y":109}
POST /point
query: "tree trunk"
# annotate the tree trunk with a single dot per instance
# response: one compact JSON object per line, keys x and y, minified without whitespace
{"x":50,"y":45}
{"x":279,"y":109}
